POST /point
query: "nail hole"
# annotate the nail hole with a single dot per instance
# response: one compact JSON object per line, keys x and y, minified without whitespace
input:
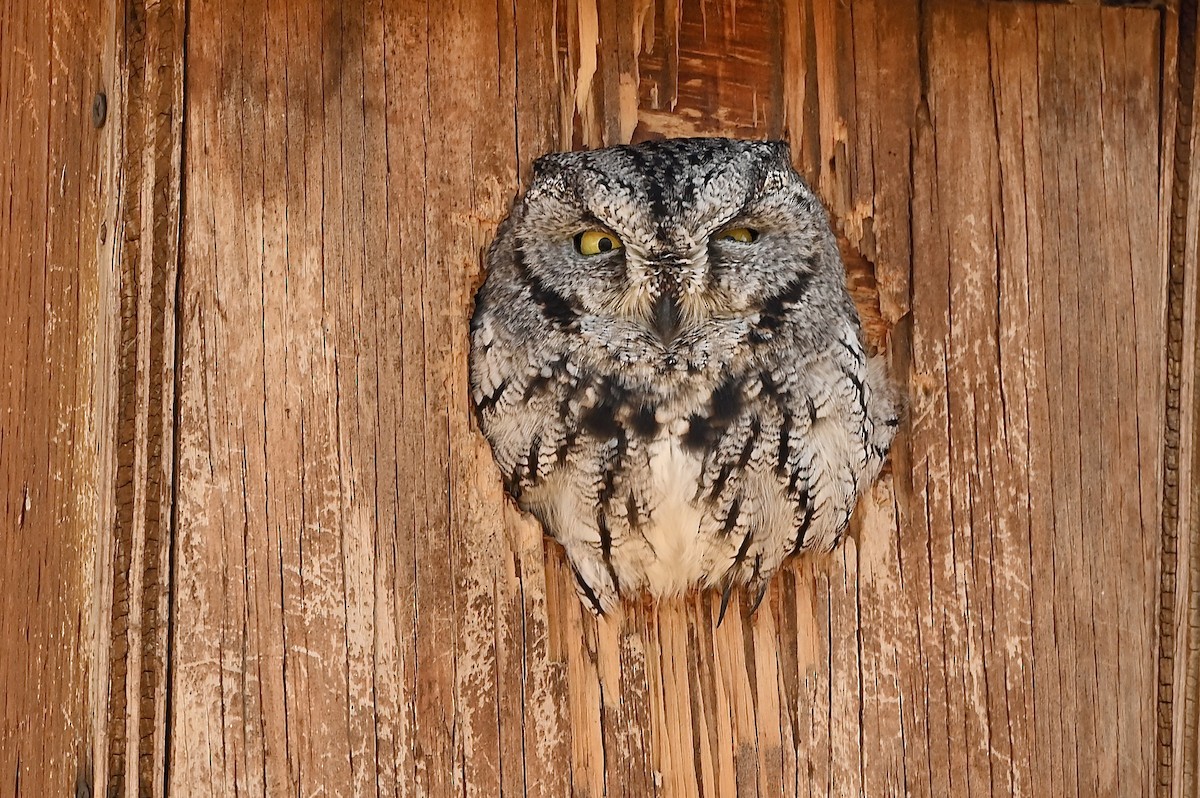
{"x":99,"y":109}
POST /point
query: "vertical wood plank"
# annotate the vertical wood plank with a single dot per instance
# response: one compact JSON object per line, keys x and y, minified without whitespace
{"x":993,"y":171}
{"x":49,"y":175}
{"x":146,"y":110}
{"x":1067,"y":227}
{"x":87,"y":237}
{"x":352,"y":615}
{"x":1179,"y":656}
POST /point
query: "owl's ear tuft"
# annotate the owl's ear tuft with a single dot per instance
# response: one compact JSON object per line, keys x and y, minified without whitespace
{"x":547,"y":167}
{"x":781,"y":150}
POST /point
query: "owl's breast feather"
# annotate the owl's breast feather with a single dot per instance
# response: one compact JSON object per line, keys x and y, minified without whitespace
{"x":672,"y":530}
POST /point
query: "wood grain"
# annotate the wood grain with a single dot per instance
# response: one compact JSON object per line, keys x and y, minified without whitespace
{"x":1039,"y":464}
{"x":51,"y":425}
{"x":351,"y":611}
{"x":359,"y":608}
{"x":1179,"y":619}
{"x":134,"y":545}
{"x":253,"y":543}
{"x":88,"y":358}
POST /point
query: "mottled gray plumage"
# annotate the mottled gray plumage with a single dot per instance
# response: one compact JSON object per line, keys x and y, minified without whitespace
{"x":694,"y":405}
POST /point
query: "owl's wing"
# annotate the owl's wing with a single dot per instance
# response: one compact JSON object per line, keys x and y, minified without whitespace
{"x":529,"y":402}
{"x":784,"y":477}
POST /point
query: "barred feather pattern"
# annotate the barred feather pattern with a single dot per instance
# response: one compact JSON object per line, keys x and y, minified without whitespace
{"x":690,"y":408}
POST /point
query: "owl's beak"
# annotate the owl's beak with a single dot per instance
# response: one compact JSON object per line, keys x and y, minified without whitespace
{"x":666,"y":316}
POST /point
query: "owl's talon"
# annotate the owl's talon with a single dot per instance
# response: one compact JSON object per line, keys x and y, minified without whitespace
{"x":587,"y":596}
{"x":725,"y":594}
{"x":760,"y":594}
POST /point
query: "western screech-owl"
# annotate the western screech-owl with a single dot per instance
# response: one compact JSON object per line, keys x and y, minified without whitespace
{"x":669,"y":369}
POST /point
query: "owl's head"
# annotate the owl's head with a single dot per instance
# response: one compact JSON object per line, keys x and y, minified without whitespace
{"x":656,"y":241}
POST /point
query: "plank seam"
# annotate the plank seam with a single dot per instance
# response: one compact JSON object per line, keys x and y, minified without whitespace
{"x":147,"y":407}
{"x":1171,"y":430}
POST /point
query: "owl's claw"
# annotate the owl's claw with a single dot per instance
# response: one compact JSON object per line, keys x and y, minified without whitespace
{"x":592,"y":582}
{"x":760,"y":594}
{"x":725,"y":594}
{"x":586,"y":595}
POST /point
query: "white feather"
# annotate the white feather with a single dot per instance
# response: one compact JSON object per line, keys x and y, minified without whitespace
{"x":673,"y":528}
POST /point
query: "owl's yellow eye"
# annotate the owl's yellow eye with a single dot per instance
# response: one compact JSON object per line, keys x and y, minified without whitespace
{"x":595,"y":242}
{"x":743,"y":234}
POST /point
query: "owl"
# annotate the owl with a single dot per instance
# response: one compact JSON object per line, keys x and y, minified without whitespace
{"x":670,"y":371}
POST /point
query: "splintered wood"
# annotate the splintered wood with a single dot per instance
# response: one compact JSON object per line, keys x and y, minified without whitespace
{"x":299,"y":574}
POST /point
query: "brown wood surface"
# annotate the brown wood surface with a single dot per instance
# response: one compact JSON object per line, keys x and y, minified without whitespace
{"x":132,"y":657}
{"x":1179,"y":624}
{"x":88,"y":239}
{"x":52,"y":304}
{"x":254,"y":544}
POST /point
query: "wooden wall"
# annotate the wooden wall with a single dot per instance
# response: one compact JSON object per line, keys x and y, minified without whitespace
{"x":253,"y":543}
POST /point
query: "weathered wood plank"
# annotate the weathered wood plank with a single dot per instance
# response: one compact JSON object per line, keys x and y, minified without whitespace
{"x":50,"y":285}
{"x":359,"y":609}
{"x":1179,"y":655}
{"x":91,"y":104}
{"x":355,"y":617}
{"x":134,"y":541}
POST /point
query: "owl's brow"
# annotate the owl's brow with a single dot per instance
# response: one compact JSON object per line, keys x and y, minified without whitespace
{"x":605,"y":181}
{"x":761,"y":172}
{"x":592,"y":220}
{"x":601,"y":177}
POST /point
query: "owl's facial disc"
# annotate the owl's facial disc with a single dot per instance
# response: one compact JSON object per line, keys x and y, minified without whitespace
{"x":657,"y":246}
{"x":662,"y":289}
